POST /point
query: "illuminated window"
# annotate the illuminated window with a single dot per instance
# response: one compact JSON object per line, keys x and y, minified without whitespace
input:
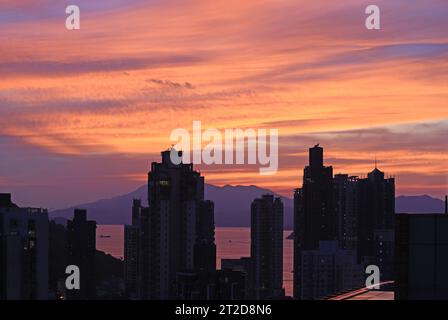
{"x":164,"y":183}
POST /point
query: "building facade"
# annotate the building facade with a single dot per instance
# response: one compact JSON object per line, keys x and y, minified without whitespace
{"x":81,"y":248}
{"x":132,"y":252}
{"x":376,"y":221}
{"x":23,"y":251}
{"x":314,"y":214}
{"x":421,"y":259}
{"x":346,"y":205}
{"x":267,"y":247}
{"x":356,"y":214}
{"x":328,"y":270}
{"x":176,"y":231}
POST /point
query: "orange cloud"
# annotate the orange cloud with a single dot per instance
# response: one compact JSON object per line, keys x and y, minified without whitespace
{"x":137,"y":70}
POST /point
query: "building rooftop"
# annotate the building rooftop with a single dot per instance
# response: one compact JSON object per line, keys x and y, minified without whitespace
{"x":5,"y":201}
{"x":374,"y":295}
{"x":368,"y":294}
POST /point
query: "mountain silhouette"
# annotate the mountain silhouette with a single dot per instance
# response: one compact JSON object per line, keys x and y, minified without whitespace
{"x":232,"y":206}
{"x":419,"y":204}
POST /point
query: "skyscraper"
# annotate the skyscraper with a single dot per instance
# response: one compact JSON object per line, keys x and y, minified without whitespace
{"x":376,"y":222}
{"x":23,"y":251}
{"x":340,"y":218}
{"x":205,"y":248}
{"x":81,"y":237}
{"x":314,"y":217}
{"x":346,"y":207}
{"x":177,"y":224}
{"x":131,"y":251}
{"x":267,"y":247}
{"x":144,"y":254}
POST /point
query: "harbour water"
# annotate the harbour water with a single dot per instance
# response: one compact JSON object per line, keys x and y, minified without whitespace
{"x":230,"y":243}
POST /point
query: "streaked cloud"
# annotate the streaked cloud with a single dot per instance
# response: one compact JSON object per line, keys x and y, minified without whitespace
{"x":113,"y":91}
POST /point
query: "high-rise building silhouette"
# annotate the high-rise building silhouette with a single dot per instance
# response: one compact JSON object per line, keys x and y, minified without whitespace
{"x":346,"y":205}
{"x":23,"y":251}
{"x":267,"y":247}
{"x":131,"y":251}
{"x":144,"y":252}
{"x":376,"y":222}
{"x":314,"y":217}
{"x":338,"y":218}
{"x":177,"y":231}
{"x":81,"y":242}
{"x":421,"y":257}
{"x":205,"y":248}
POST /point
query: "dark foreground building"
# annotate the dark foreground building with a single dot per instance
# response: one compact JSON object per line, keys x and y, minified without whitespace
{"x":341,"y":225}
{"x":218,"y":285}
{"x":421,"y":259}
{"x":376,"y":222}
{"x":23,"y":251}
{"x":245,"y":266}
{"x":267,"y":247}
{"x":81,"y":243}
{"x":174,"y":238}
{"x":131,"y":251}
{"x":314,"y":214}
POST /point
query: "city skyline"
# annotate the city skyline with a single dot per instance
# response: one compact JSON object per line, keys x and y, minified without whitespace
{"x":420,"y":197}
{"x":29,"y":200}
{"x":342,"y":225}
{"x":85,"y":111}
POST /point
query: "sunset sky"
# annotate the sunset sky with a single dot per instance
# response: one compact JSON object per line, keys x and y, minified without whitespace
{"x":83,"y":113}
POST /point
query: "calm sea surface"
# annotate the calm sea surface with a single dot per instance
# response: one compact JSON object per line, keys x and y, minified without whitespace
{"x":230,"y":243}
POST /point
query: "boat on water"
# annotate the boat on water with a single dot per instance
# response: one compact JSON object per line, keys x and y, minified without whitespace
{"x":104,"y":236}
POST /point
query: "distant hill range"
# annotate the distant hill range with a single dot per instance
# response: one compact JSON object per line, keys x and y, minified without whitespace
{"x":232,"y":206}
{"x":419,"y":204}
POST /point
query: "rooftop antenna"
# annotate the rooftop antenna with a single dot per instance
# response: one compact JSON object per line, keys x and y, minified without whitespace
{"x":376,"y":167}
